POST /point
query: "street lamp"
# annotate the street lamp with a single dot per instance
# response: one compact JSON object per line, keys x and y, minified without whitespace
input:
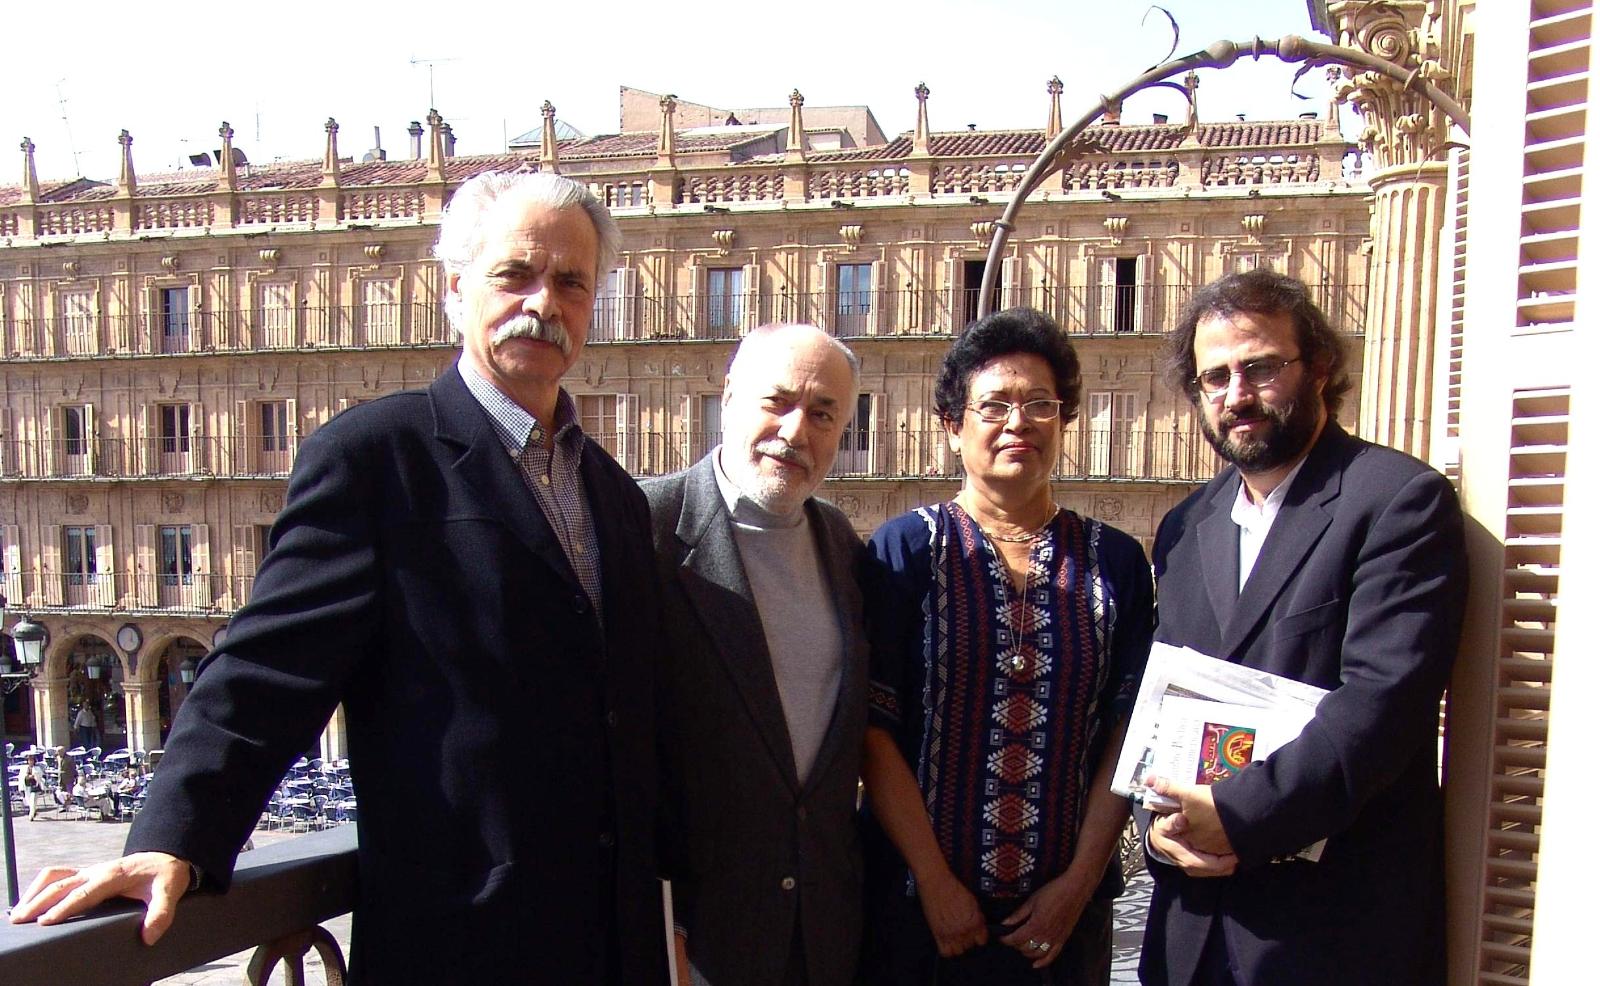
{"x":28,"y":637}
{"x":186,"y":671}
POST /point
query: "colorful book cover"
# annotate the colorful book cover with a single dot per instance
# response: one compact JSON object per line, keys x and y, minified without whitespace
{"x":1224,"y":751}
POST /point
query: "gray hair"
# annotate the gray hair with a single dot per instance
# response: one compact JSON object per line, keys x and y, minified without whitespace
{"x":460,"y":237}
{"x":762,"y":332}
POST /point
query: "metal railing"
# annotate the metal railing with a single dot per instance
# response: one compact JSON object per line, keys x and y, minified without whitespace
{"x":123,"y":591}
{"x":280,"y":895}
{"x":1083,"y":310}
{"x":1117,"y":453}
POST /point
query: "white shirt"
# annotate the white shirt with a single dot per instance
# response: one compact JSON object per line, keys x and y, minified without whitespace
{"x":1255,"y":521}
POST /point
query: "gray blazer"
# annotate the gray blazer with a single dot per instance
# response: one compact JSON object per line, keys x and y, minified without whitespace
{"x":759,"y":862}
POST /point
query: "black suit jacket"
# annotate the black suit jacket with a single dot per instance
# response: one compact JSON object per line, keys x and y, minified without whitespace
{"x":501,"y":735}
{"x":1359,"y":588}
{"x":753,"y":847}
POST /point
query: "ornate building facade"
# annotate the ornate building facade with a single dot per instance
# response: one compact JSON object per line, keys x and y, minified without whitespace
{"x":168,"y":339}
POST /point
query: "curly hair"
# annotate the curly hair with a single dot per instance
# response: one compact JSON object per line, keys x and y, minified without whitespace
{"x":1015,"y":330}
{"x":1259,"y":292}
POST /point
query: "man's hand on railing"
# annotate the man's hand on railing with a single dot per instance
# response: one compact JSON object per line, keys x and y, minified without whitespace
{"x":61,"y":892}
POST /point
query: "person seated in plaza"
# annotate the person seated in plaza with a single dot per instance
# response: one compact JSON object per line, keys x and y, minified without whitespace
{"x":66,"y":779}
{"x":1008,"y":638}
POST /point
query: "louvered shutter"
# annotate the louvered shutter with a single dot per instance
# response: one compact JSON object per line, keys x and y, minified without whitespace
{"x":105,"y":566}
{"x":144,"y":565}
{"x":50,"y":574}
{"x":200,"y":595}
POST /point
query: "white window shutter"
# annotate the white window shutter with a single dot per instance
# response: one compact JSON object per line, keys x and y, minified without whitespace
{"x":105,"y":566}
{"x":54,"y":459}
{"x":244,"y":441}
{"x":200,"y":565}
{"x":676,"y":454}
{"x":824,"y":299}
{"x":1107,"y":301}
{"x":12,"y":563}
{"x":91,"y":438}
{"x":144,"y":565}
{"x":1010,"y":282}
{"x":750,"y":303}
{"x":292,"y":413}
{"x":198,"y":460}
{"x":627,"y":432}
{"x":50,"y":565}
{"x":1142,"y":294}
{"x":882,"y":306}
{"x":952,"y":295}
{"x":877,"y":429}
{"x":697,"y":306}
{"x":627,"y":302}
{"x":244,"y":563}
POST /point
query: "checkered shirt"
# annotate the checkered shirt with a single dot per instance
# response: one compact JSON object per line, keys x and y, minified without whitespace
{"x":551,"y":471}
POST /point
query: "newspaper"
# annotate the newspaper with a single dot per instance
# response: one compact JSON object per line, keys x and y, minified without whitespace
{"x":1200,"y":720}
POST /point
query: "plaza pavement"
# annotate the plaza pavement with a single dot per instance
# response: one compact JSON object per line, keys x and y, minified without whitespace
{"x":62,"y":840}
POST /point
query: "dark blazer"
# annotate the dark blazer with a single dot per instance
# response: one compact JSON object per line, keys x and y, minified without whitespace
{"x":1359,"y":588}
{"x":502,"y":738}
{"x":752,"y":846}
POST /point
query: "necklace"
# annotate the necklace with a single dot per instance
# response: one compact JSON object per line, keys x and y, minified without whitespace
{"x":1025,"y":537}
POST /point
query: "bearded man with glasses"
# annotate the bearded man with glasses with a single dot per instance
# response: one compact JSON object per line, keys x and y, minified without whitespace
{"x":1340,"y":563}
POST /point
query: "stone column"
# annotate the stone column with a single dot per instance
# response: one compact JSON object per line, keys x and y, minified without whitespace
{"x":334,"y":746}
{"x":51,"y":726}
{"x":1405,"y":134}
{"x":143,"y":701}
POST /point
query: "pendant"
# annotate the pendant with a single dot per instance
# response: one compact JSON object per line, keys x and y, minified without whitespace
{"x":1018,"y":661}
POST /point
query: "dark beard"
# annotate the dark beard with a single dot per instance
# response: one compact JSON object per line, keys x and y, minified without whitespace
{"x":1293,"y":427}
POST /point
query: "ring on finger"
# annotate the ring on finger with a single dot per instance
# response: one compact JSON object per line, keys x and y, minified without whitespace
{"x":1039,"y":946}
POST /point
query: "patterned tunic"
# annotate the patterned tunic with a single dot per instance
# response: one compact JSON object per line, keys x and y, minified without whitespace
{"x":1002,"y":700}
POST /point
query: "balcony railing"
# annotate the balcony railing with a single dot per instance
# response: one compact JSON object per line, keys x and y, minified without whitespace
{"x":1109,"y":310}
{"x":123,"y":591}
{"x":264,"y":329}
{"x":1087,"y":453}
{"x":1083,"y":310}
{"x":280,"y":895}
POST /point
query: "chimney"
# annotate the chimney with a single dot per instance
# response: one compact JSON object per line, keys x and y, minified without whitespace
{"x":415,"y":130}
{"x":1112,"y":117}
{"x":449,"y":141}
{"x":1159,"y":118}
{"x":377,"y":153}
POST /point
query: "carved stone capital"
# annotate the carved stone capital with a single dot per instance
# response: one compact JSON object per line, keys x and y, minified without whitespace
{"x":851,"y":236}
{"x":723,"y":238}
{"x":1399,"y":127}
{"x":1116,"y":228}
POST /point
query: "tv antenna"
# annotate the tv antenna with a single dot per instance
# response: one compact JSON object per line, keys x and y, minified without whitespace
{"x":431,"y":62}
{"x":61,"y":100}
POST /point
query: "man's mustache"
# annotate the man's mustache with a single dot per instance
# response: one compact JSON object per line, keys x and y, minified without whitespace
{"x":781,"y":450}
{"x":531,"y":326}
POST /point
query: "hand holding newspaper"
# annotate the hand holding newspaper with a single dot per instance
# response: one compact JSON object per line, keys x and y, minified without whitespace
{"x":1200,"y":720}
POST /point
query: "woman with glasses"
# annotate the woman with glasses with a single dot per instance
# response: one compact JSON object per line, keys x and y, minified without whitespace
{"x":1009,"y":635}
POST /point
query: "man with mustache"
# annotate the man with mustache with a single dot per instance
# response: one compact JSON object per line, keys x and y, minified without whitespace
{"x":470,"y":577}
{"x":764,"y":707}
{"x":1324,"y":558}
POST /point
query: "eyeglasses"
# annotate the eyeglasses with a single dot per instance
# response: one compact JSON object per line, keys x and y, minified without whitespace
{"x":995,"y":412}
{"x":1213,"y":383}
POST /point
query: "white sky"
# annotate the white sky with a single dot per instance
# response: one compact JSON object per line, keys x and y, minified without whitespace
{"x":171,"y":72}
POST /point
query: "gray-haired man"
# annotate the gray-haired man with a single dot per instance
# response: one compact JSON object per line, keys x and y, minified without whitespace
{"x":765,"y":700}
{"x":470,"y":577}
